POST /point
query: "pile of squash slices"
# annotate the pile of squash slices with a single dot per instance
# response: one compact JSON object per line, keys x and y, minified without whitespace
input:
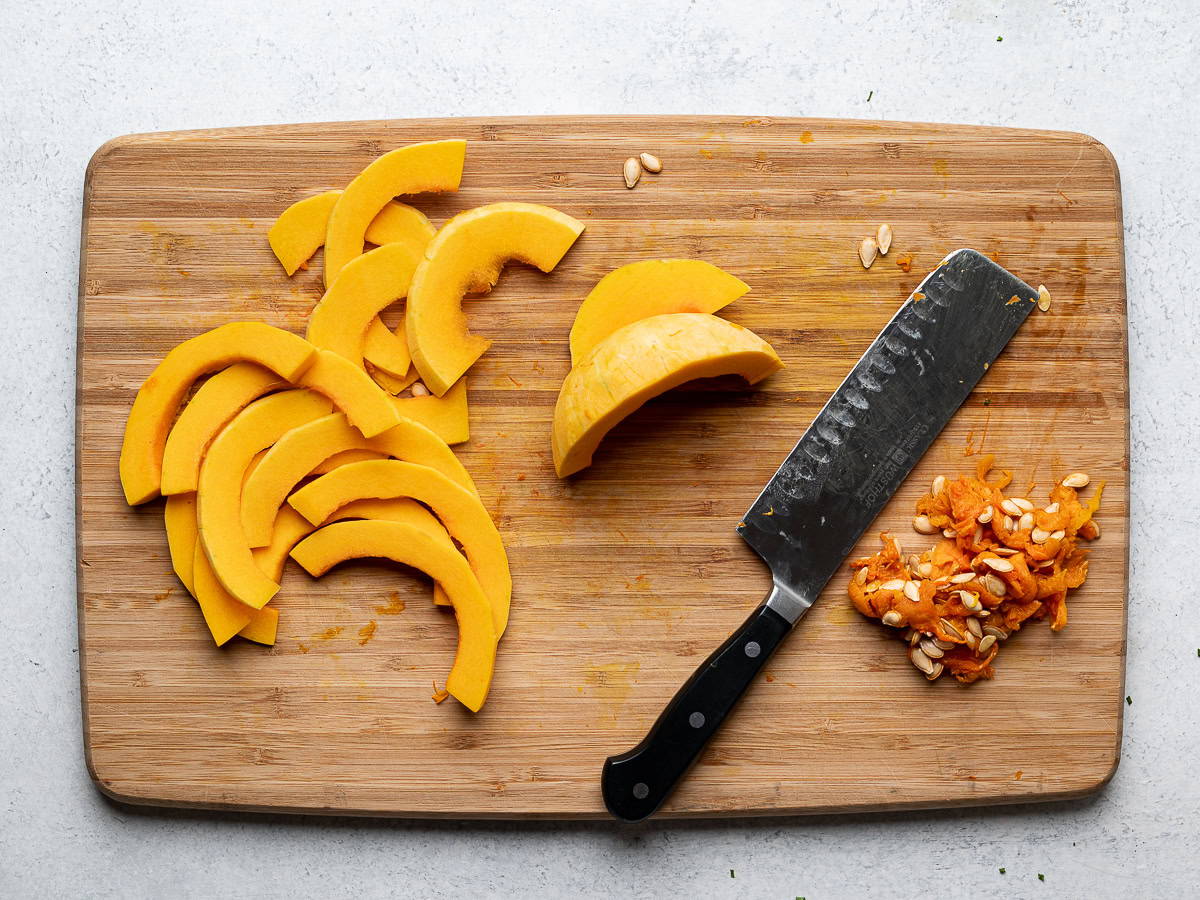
{"x":337,"y":445}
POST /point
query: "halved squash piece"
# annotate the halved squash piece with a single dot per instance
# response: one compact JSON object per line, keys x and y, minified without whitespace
{"x":397,"y":509}
{"x":652,"y":287}
{"x":219,"y":399}
{"x":367,"y":285}
{"x":468,"y":253}
{"x":460,"y":511}
{"x":179,"y":517}
{"x":297,"y":453}
{"x":471,"y":674}
{"x":223,"y":615}
{"x":218,"y":499}
{"x":343,"y":458}
{"x":262,"y":626}
{"x":641,"y":361}
{"x":352,"y":391}
{"x":445,"y":416}
{"x":300,"y":229}
{"x":387,"y":350}
{"x":390,"y":382}
{"x":159,"y":397}
{"x":417,"y":168}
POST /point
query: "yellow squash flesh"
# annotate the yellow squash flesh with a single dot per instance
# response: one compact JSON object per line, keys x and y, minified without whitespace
{"x":179,"y":517}
{"x":460,"y":511}
{"x":475,"y":659}
{"x":390,"y":382}
{"x":652,"y":287}
{"x":445,"y":416}
{"x":297,"y":453}
{"x":641,"y":361}
{"x":223,"y":615}
{"x":385,"y":350}
{"x":218,"y":499}
{"x":417,"y":168}
{"x":262,"y":626}
{"x":468,"y":253}
{"x":219,"y":399}
{"x":352,"y":391}
{"x":159,"y":397}
{"x":343,"y":458}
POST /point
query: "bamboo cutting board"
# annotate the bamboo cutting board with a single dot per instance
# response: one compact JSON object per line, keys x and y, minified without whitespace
{"x":628,"y":575}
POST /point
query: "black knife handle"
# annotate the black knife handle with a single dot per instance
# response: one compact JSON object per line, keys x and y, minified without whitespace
{"x":634,"y":784}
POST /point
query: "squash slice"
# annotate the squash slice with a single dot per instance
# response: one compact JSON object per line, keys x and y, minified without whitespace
{"x":460,"y":511}
{"x":471,"y":674}
{"x":299,"y":452}
{"x":431,"y":166}
{"x":445,"y":416}
{"x":218,"y":499}
{"x":262,"y":626}
{"x":641,"y":361}
{"x":179,"y":517}
{"x":352,"y":391}
{"x":652,"y":287}
{"x":390,"y":382}
{"x":223,"y":615}
{"x":367,"y":285}
{"x":219,"y":399}
{"x":159,"y":397}
{"x":345,"y":457}
{"x":467,"y":254}
{"x":386,"y":351}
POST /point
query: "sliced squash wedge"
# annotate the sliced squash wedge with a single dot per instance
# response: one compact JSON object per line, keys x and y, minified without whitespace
{"x":223,"y":615}
{"x":159,"y":397}
{"x":399,"y":223}
{"x":390,"y":382}
{"x":652,"y":287}
{"x":445,"y":416}
{"x":367,"y":285}
{"x":352,"y":391}
{"x":468,"y":253}
{"x":460,"y":511}
{"x":179,"y":517}
{"x":641,"y":361}
{"x":386,"y":350}
{"x":417,"y":168}
{"x":297,"y":453}
{"x":218,"y":499}
{"x":475,"y":660}
{"x":345,"y":457}
{"x":219,"y":399}
{"x":290,"y":528}
{"x":262,"y":627}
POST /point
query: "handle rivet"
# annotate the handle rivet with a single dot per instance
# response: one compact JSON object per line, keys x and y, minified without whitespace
{"x":696,"y":720}
{"x":752,"y":649}
{"x":641,"y":791}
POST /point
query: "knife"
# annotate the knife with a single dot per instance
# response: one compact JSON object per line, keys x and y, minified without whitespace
{"x":833,"y":484}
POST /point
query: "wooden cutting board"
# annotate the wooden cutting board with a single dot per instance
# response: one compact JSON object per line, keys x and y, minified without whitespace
{"x":628,"y":575}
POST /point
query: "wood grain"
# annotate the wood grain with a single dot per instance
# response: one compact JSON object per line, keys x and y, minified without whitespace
{"x":628,"y":575}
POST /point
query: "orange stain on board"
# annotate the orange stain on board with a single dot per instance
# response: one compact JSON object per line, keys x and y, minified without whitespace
{"x":806,"y":137}
{"x":395,"y":605}
{"x":1017,"y":775}
{"x":328,"y":634}
{"x":367,"y":632}
{"x":905,"y":263}
{"x":159,"y":598}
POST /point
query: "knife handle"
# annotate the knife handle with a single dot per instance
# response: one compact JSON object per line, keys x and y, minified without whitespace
{"x":634,"y":784}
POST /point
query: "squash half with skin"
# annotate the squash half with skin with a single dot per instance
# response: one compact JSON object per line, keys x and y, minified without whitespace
{"x":415,"y":169}
{"x":471,"y":675}
{"x":466,"y":255}
{"x":159,"y":397}
{"x":652,"y":287}
{"x":460,"y":511}
{"x":297,"y":454}
{"x":641,"y":361}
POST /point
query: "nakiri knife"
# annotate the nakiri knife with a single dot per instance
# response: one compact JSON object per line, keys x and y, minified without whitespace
{"x":837,"y":478}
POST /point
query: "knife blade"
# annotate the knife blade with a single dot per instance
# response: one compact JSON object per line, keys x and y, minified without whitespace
{"x":860,"y":447}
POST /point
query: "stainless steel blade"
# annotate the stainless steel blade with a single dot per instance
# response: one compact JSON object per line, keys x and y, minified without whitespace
{"x":879,"y":422}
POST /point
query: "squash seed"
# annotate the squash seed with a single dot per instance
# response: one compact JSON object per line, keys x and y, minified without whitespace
{"x":939,"y":483}
{"x":975,"y":628}
{"x":918,"y":658}
{"x":935,"y":673}
{"x":1026,"y":522}
{"x":949,"y":532}
{"x":963,"y":578}
{"x":950,"y":628}
{"x":944,"y":645}
{"x":986,"y":515}
{"x":1005,"y":551}
{"x":1024,"y":505}
{"x":870,"y":588}
{"x":994,"y":585}
{"x":632,"y":172}
{"x":1010,"y":507}
{"x":922,"y":525}
{"x":912,"y":592}
{"x":925,"y":569}
{"x":998,"y":633}
{"x":883,"y":237}
{"x":914,"y":637}
{"x":1076,"y":480}
{"x":1060,"y":534}
{"x":867,"y":251}
{"x":1052,"y":508}
{"x":998,"y":565}
{"x":650,"y":162}
{"x":419,"y":390}
{"x":972,"y":639}
{"x":978,"y":534}
{"x":932,"y":650}
{"x":985,"y":643}
{"x":1040,"y":535}
{"x":970,"y":601}
{"x":861,"y":577}
{"x":895,"y":584}
{"x":1009,"y":524}
{"x":1043,"y":298}
{"x":893,"y":618}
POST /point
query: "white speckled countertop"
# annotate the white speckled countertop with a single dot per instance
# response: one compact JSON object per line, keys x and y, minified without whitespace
{"x":75,"y":76}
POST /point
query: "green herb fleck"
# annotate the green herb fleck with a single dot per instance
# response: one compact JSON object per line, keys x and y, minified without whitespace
{"x":731,"y":873}
{"x":870,"y":95}
{"x":1129,"y":701}
{"x":987,"y":402}
{"x":1002,"y":870}
{"x":1041,"y":877}
{"x":999,"y":39}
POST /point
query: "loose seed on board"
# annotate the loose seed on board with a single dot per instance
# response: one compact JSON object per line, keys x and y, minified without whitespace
{"x":893,"y":618}
{"x":632,"y":172}
{"x":861,"y":577}
{"x":1010,"y":507}
{"x":994,"y":585}
{"x":1024,"y":504}
{"x":419,"y":390}
{"x":918,"y":658}
{"x":950,"y":628}
{"x":939,"y":484}
{"x":867,"y":251}
{"x":912,"y":592}
{"x":923,"y":525}
{"x":896,"y":584}
{"x":985,"y":643}
{"x":936,"y":672}
{"x":1076,"y":480}
{"x":925,"y":569}
{"x":975,"y":628}
{"x":1040,"y":535}
{"x":1052,"y":508}
{"x":932,"y":650}
{"x":1009,"y":524}
{"x":963,"y":578}
{"x":650,"y":162}
{"x":1043,"y":298}
{"x":986,"y":515}
{"x":1060,"y":534}
{"x":1026,"y":522}
{"x":998,"y":633}
{"x":883,"y":237}
{"x":998,"y":565}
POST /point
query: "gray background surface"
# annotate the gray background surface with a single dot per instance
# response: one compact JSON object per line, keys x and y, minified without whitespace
{"x":72,"y":77}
